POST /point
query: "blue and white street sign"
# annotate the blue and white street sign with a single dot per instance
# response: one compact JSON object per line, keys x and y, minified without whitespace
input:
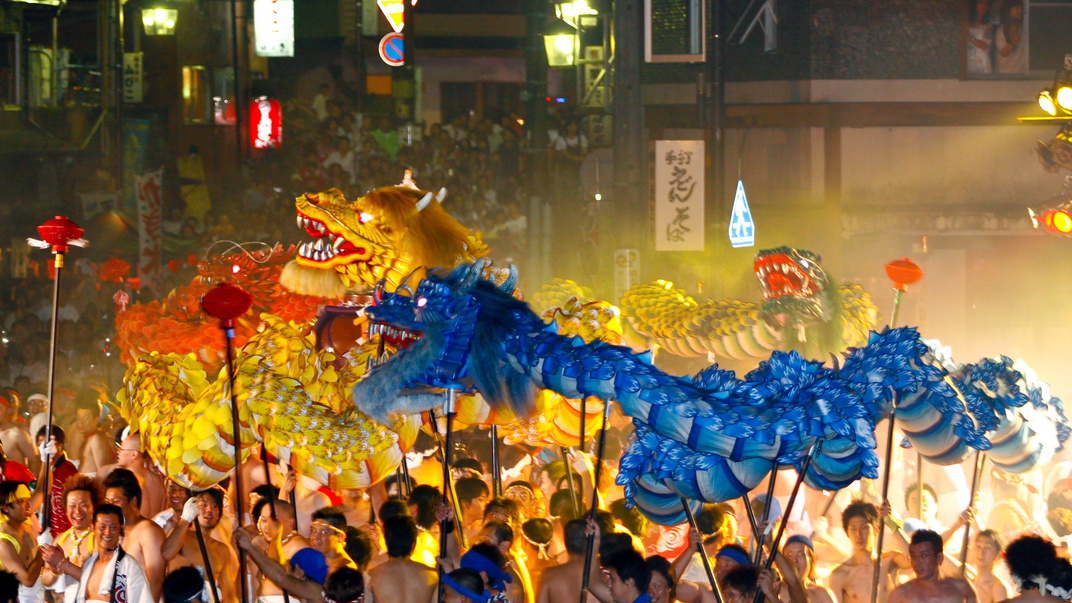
{"x":742,"y":228}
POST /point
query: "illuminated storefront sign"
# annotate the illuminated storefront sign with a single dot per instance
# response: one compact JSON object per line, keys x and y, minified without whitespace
{"x":273,"y":27}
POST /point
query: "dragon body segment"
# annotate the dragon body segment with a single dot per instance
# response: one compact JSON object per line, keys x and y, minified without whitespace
{"x":712,"y":437}
{"x":802,"y":310}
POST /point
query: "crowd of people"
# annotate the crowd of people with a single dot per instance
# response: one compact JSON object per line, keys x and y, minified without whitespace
{"x":114,"y":528}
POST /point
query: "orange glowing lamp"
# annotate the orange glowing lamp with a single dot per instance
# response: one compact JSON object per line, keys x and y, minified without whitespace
{"x":1058,"y":221}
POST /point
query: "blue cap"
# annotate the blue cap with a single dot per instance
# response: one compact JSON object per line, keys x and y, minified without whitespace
{"x":802,"y":539}
{"x":312,"y":562}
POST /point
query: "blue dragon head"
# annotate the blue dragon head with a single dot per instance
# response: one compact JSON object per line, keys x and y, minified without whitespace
{"x":456,"y":324}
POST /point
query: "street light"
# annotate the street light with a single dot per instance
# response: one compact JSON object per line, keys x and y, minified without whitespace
{"x":559,"y":41}
{"x":573,"y":11}
{"x":159,"y":21}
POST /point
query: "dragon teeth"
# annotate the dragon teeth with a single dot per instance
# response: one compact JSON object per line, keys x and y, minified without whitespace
{"x":337,"y":242}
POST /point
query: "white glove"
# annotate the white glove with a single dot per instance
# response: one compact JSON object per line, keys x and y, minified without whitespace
{"x":580,"y":463}
{"x":44,"y":538}
{"x":189,"y":510}
{"x":47,"y":450}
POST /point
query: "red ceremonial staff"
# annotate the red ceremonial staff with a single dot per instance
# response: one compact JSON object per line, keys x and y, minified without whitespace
{"x":59,"y":234}
{"x":902,"y":272}
{"x":226,"y":303}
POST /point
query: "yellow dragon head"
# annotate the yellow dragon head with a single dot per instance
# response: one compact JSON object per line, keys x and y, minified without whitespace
{"x":385,"y":235}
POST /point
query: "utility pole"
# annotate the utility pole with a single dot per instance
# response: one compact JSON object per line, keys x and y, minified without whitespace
{"x":536,"y":91}
{"x":630,"y":145}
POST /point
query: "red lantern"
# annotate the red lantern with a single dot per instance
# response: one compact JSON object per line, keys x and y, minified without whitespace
{"x":59,"y":232}
{"x":903,"y":272}
{"x":174,"y":265}
{"x":191,"y":260}
{"x":113,"y":270}
{"x":226,"y":303}
{"x":265,"y":124}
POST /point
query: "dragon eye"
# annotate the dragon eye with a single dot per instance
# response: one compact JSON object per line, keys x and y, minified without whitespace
{"x":364,"y":217}
{"x":422,"y":302}
{"x":805,"y":263}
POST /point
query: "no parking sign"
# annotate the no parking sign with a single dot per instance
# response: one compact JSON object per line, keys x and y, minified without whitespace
{"x":392,"y":49}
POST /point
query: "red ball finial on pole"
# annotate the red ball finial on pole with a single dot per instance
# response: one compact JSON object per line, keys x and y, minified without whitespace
{"x":226,"y":302}
{"x":60,"y":232}
{"x":903,"y":272}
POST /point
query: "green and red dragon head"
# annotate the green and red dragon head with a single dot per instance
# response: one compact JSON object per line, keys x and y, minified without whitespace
{"x":385,"y":235}
{"x":800,"y":299}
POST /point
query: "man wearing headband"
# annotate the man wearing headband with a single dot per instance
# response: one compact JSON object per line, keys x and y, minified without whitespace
{"x":182,"y":546}
{"x":110,"y":574}
{"x":851,"y":581}
{"x":327,"y":535}
{"x":18,"y":547}
{"x":464,"y":585}
{"x":400,"y":578}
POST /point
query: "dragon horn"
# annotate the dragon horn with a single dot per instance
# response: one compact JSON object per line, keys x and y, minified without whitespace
{"x":473,"y":274}
{"x":423,"y":203}
{"x":441,"y":195}
{"x":510,"y":283}
{"x":405,"y":282}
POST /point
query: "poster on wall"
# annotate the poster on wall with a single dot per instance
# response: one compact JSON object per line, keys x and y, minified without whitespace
{"x":149,"y":188}
{"x":679,"y":195}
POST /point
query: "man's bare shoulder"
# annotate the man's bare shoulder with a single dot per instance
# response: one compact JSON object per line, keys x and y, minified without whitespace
{"x":147,"y":529}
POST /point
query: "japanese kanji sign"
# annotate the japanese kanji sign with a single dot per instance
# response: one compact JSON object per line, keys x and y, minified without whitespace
{"x":679,"y":195}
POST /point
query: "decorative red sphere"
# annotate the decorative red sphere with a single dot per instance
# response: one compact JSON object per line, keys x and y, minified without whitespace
{"x":59,"y":232}
{"x":903,"y":272}
{"x":226,"y":302}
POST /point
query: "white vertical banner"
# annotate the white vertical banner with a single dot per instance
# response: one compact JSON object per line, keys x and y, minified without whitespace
{"x":132,"y":77}
{"x":149,"y":188}
{"x":273,"y":28}
{"x":679,"y":195}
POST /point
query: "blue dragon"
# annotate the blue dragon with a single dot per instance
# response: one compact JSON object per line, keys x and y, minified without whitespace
{"x":711,"y":437}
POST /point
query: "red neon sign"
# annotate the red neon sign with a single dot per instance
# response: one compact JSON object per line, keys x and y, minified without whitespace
{"x":266,"y":124}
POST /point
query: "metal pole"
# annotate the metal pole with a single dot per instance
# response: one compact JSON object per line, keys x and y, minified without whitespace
{"x":496,"y":471}
{"x":703,"y":552}
{"x":885,"y":495}
{"x":46,"y":463}
{"x":271,"y":509}
{"x":572,"y":487}
{"x":789,"y":509}
{"x":448,"y":410}
{"x":980,"y":462}
{"x":757,"y":537}
{"x":236,"y":426}
{"x":589,"y":550}
{"x":237,"y":81}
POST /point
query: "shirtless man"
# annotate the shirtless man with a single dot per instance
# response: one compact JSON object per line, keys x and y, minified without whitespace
{"x":96,"y":449}
{"x":327,"y":535}
{"x":144,"y":539}
{"x":278,"y":539}
{"x":128,"y":580}
{"x":182,"y":549}
{"x":176,"y":498}
{"x":851,"y":581}
{"x":19,"y":553}
{"x":929,"y":586}
{"x":16,"y":440}
{"x":563,"y":582}
{"x":81,"y":495}
{"x":129,"y":456}
{"x":400,"y":578}
{"x":989,"y":546}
